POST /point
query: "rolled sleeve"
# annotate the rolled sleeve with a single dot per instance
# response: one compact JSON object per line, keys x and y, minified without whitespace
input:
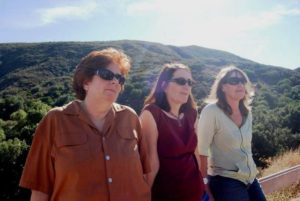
{"x":206,"y":130}
{"x":38,"y":172}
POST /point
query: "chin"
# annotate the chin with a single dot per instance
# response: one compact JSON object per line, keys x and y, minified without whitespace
{"x":183,"y":101}
{"x":111,"y":99}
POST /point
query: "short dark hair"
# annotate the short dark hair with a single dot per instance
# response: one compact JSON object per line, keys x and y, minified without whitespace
{"x":158,"y":95}
{"x":89,"y":64}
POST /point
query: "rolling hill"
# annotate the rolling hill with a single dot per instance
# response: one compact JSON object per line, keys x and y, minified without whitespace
{"x":37,"y":76}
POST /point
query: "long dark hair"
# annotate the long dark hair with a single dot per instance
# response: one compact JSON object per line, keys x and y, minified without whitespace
{"x":158,"y":96}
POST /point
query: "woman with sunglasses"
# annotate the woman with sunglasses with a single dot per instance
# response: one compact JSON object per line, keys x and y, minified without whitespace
{"x":168,"y":121}
{"x":92,"y":148}
{"x":225,"y":134}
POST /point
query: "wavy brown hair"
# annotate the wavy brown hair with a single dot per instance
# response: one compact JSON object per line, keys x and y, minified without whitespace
{"x":217,"y":95}
{"x":158,"y":96}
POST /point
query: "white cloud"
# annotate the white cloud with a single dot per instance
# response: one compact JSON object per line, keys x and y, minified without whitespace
{"x":174,"y":7}
{"x":51,"y":15}
{"x":239,"y":26}
{"x":140,"y":8}
{"x":207,"y":22}
{"x":274,"y":16}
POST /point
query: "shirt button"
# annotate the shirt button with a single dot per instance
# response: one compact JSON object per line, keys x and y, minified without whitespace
{"x":107,"y":157}
{"x":109,"y":180}
{"x":103,"y":138}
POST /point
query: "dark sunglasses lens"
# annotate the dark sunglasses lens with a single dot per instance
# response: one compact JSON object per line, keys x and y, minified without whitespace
{"x":182,"y":81}
{"x":120,"y":78}
{"x":106,"y":74}
{"x":235,"y":81}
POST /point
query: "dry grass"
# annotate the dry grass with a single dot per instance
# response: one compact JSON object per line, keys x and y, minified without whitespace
{"x":291,"y":193}
{"x":279,"y":163}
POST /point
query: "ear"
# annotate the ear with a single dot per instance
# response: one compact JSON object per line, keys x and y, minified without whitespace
{"x":86,"y":85}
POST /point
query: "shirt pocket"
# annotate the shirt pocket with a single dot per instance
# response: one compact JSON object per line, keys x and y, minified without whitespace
{"x":128,"y":141}
{"x":72,"y":148}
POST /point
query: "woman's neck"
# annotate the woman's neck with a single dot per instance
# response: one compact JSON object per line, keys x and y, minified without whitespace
{"x":174,"y":109}
{"x":234,"y":105}
{"x":96,"y":110}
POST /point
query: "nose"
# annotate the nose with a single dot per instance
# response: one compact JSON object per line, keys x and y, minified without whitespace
{"x":186,"y":86}
{"x":115,"y":80}
{"x":240,"y":83}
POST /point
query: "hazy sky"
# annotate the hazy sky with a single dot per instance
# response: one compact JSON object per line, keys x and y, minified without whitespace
{"x":265,"y":31}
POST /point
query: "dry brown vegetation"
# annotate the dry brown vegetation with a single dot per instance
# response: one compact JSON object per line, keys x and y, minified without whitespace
{"x":286,"y":160}
{"x":279,"y":163}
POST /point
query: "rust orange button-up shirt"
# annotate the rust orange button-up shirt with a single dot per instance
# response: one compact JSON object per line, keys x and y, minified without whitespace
{"x":71,"y":160}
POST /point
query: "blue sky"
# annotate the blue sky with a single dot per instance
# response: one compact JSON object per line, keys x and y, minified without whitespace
{"x":265,"y":31}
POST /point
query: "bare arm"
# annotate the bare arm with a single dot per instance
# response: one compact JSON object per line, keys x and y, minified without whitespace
{"x":151,"y":134}
{"x":203,"y":167}
{"x":38,"y":196}
{"x":196,"y":151}
{"x":198,"y":160}
{"x":202,"y":163}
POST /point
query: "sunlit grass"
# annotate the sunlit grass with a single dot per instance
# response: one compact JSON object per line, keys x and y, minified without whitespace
{"x":279,"y":163}
{"x":291,"y":193}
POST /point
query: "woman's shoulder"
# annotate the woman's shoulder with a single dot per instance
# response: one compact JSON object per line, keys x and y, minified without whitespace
{"x":125,"y":116}
{"x":155,"y":111}
{"x":211,"y":107}
{"x":57,"y":111}
{"x":191,"y":113}
{"x":124,"y":109}
{"x":153,"y":108}
{"x":72,"y":107}
{"x":210,"y":111}
{"x":249,"y":116}
{"x":55,"y":115}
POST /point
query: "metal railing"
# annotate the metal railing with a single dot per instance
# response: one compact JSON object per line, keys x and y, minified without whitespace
{"x":284,"y":178}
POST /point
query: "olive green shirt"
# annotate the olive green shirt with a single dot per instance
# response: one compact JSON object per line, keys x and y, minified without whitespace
{"x":227,"y":146}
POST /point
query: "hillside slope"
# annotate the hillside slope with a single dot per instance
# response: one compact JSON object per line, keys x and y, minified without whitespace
{"x":35,"y":77}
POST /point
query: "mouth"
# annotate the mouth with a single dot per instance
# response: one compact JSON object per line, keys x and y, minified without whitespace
{"x":240,"y":91}
{"x":184,"y":93}
{"x":111,"y":90}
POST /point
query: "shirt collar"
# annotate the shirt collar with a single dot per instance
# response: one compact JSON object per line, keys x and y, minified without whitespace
{"x":74,"y":108}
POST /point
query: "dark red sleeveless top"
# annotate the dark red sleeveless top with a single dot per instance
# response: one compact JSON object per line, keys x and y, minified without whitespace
{"x":178,"y":178}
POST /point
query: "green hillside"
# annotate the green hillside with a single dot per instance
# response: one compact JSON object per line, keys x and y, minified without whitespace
{"x":35,"y":77}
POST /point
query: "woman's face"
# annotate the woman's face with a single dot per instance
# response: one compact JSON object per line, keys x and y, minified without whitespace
{"x":234,"y":86}
{"x":178,"y":89}
{"x":102,"y":89}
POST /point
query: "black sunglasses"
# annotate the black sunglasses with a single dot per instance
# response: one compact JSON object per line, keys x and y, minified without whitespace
{"x":109,"y":75}
{"x":182,"y":81}
{"x":235,"y":80}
